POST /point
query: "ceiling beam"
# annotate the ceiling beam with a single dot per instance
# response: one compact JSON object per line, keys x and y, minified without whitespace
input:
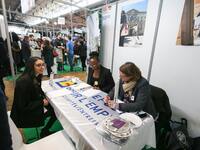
{"x":71,"y":4}
{"x":21,"y":14}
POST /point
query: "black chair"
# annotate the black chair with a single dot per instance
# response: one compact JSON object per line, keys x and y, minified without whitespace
{"x":163,"y":109}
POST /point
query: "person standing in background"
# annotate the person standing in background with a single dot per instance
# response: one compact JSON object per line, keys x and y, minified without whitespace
{"x":26,"y":50}
{"x":47,"y":53}
{"x":70,"y":52}
{"x":17,"y":51}
{"x":76,"y":51}
{"x":83,"y":54}
{"x":59,"y":44}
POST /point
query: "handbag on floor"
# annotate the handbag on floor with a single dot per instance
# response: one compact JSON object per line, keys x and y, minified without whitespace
{"x":178,"y":138}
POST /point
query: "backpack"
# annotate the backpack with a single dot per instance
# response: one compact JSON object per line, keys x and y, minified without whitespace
{"x":177,"y":138}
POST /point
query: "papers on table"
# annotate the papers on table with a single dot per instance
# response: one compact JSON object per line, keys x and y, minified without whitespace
{"x":58,"y":93}
{"x":90,"y":92}
{"x":82,"y":87}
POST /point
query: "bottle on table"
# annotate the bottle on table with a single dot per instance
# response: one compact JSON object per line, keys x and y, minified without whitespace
{"x":51,"y":78}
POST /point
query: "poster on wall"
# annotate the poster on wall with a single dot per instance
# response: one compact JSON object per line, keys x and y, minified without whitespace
{"x":132,"y":24}
{"x":189,"y":30}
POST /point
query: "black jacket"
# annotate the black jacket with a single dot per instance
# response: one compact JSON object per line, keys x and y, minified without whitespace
{"x":141,"y":94}
{"x":5,"y":136}
{"x":4,"y":59}
{"x":27,"y":110}
{"x":48,"y":55}
{"x":82,"y":50}
{"x":106,"y":82}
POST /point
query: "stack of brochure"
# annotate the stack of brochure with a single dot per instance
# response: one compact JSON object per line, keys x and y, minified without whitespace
{"x":115,"y":129}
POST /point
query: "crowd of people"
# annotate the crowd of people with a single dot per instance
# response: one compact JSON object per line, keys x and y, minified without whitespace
{"x":68,"y":49}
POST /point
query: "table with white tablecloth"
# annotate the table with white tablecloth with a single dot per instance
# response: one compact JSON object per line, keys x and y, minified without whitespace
{"x":80,"y":111}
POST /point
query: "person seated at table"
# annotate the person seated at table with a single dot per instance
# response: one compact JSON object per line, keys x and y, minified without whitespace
{"x":29,"y":99}
{"x":134,"y":91}
{"x":98,"y":76}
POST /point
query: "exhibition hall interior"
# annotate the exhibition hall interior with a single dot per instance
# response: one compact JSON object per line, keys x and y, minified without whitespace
{"x":99,"y":74}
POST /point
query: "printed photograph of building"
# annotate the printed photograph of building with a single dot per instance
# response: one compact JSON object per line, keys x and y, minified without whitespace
{"x":132,"y":24}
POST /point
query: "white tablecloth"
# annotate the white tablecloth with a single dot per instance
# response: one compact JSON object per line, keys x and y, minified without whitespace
{"x":79,"y":116}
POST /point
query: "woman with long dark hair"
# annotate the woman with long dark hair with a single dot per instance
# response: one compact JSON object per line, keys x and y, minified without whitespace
{"x":29,"y":98}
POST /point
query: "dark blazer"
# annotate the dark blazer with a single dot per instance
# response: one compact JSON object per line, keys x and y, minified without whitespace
{"x":106,"y":82}
{"x":5,"y":136}
{"x":27,"y":110}
{"x":48,"y":55}
{"x":142,"y":98}
{"x":26,"y":50}
{"x":82,"y":50}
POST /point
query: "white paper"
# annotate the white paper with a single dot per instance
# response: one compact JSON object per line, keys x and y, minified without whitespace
{"x":58,"y":93}
{"x":82,"y":87}
{"x":90,"y":92}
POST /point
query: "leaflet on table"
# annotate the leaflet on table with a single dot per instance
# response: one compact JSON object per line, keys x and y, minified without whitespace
{"x":90,"y":92}
{"x":58,"y":93}
{"x":82,"y":86}
{"x":65,"y":83}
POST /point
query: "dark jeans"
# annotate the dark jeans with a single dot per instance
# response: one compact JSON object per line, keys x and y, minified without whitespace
{"x":70,"y":59}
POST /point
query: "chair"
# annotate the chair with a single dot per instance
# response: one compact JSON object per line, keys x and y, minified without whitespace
{"x":163,"y":108}
{"x":56,"y":141}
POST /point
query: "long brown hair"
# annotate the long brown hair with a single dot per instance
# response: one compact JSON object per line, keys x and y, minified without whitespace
{"x":131,"y":70}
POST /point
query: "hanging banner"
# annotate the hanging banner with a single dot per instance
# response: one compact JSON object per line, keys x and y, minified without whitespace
{"x":61,"y":20}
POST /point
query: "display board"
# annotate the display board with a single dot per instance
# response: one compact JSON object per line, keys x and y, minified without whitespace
{"x":107,"y":35}
{"x":175,"y":67}
{"x":139,"y":54}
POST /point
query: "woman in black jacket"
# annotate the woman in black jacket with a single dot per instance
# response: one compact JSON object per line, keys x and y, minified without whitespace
{"x":29,"y":99}
{"x":98,"y":76}
{"x":134,"y":91}
{"x":83,"y":54}
{"x":47,"y":53}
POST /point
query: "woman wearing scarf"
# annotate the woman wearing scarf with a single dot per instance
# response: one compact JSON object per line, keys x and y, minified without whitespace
{"x":134,"y":91}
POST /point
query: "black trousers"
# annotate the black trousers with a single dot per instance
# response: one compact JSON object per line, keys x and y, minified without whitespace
{"x":49,"y":70}
{"x":83,"y":59}
{"x":50,"y":113}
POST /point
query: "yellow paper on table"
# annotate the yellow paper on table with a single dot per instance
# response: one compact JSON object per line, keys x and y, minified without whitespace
{"x":66,"y":83}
